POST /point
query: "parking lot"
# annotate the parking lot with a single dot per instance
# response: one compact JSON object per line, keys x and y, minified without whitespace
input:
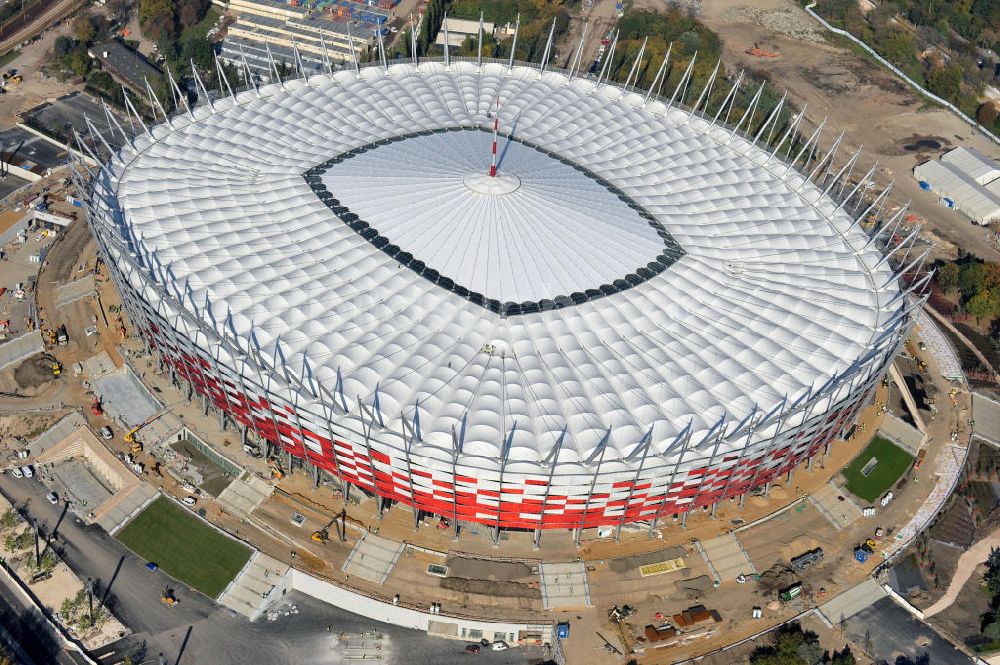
{"x":58,"y":117}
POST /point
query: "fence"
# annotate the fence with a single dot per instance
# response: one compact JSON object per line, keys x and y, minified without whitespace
{"x":913,"y":84}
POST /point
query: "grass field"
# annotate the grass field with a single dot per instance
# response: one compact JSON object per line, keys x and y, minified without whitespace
{"x":893,"y":461}
{"x":185,"y":547}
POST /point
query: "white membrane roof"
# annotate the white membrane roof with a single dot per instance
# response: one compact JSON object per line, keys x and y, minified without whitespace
{"x":774,"y":292}
{"x":537,"y":230}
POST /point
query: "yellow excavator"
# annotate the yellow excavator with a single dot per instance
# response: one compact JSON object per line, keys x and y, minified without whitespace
{"x":56,"y":368}
{"x":323,"y":535}
{"x":276,"y":471}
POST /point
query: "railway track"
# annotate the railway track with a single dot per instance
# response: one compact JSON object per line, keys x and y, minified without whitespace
{"x":33,"y":21}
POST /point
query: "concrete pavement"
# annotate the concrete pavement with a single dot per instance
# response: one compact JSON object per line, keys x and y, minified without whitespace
{"x":198,"y":632}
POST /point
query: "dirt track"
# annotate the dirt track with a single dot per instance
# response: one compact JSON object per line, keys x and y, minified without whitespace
{"x":967,"y":564}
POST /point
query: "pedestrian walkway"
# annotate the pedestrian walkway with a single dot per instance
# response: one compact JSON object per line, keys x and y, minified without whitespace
{"x":986,"y":413}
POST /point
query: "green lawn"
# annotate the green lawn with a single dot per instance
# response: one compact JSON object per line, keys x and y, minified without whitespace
{"x":9,"y":58}
{"x":185,"y":547}
{"x":893,"y":462}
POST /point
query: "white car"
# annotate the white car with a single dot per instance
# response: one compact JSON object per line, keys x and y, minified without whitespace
{"x":107,"y":433}
{"x":16,"y":472}
{"x":188,"y":501}
{"x":52,"y":498}
{"x":26,"y":470}
{"x":499,"y":645}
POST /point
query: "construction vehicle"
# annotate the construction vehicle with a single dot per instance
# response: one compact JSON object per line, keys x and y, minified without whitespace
{"x":168,"y":598}
{"x":758,"y":52}
{"x":803,"y":561}
{"x":136,"y":447}
{"x":130,"y":437}
{"x":51,"y":334}
{"x":96,"y":407}
{"x":276,"y":471}
{"x":786,"y":595}
{"x":56,"y":368}
{"x":62,"y":336}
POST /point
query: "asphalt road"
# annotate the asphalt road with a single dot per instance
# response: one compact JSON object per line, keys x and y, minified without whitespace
{"x":891,"y":631}
{"x":198,"y":632}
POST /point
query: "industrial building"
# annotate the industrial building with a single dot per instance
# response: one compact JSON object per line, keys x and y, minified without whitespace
{"x":586,"y":309}
{"x":460,"y":29}
{"x":281,"y":28}
{"x":966,"y":180}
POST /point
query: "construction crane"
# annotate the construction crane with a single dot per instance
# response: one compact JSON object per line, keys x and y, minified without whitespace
{"x":130,"y":437}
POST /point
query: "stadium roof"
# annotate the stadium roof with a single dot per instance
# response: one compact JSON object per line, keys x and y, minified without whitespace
{"x":302,"y":216}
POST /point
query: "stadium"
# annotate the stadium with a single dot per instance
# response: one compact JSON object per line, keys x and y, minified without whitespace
{"x":641,"y":311}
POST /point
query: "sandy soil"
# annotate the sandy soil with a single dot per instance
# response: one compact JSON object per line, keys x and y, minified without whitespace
{"x":877,"y":110}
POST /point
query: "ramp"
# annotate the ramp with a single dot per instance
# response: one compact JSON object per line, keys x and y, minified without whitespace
{"x":373,"y":558}
{"x":726,"y":557}
{"x":243,"y":495}
{"x":564,"y":585}
{"x":19,"y":348}
{"x":838,"y":513}
{"x":125,"y":397}
{"x":70,"y":293}
{"x":250,"y":591}
{"x":852,"y":601}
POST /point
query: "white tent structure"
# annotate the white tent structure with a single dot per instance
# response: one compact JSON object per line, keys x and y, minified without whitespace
{"x":967,"y":179}
{"x":643,"y":312}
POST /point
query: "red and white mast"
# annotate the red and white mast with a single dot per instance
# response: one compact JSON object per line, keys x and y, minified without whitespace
{"x":496,"y":127}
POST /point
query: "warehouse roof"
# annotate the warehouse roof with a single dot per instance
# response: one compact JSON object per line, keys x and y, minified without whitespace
{"x":967,"y":178}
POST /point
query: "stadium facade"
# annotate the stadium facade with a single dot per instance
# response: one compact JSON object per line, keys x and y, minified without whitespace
{"x":645,"y":312}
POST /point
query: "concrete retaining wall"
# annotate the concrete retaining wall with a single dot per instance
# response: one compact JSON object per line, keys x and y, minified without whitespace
{"x":404,"y":616}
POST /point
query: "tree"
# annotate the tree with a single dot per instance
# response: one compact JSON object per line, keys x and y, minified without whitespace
{"x":790,"y":646}
{"x":947,"y":276}
{"x":971,"y":278}
{"x":157,"y":19}
{"x":844,"y":657}
{"x":946,"y":82}
{"x":982,"y":305}
{"x":62,"y":46}
{"x":83,"y":29}
{"x":992,"y":577}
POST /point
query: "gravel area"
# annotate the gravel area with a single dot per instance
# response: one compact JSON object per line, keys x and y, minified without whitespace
{"x":788,"y":22}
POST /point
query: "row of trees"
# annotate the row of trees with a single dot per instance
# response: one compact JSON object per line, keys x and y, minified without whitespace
{"x":791,"y":645}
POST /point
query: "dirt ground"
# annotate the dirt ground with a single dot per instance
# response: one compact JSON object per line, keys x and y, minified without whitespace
{"x":35,"y":371}
{"x":37,"y":87}
{"x":877,"y":111}
{"x":960,"y":621}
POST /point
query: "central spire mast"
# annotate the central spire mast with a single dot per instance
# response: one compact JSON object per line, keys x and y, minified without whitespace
{"x":496,"y":127}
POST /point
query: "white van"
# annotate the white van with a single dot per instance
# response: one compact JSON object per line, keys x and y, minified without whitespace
{"x":26,"y":470}
{"x":16,"y":472}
